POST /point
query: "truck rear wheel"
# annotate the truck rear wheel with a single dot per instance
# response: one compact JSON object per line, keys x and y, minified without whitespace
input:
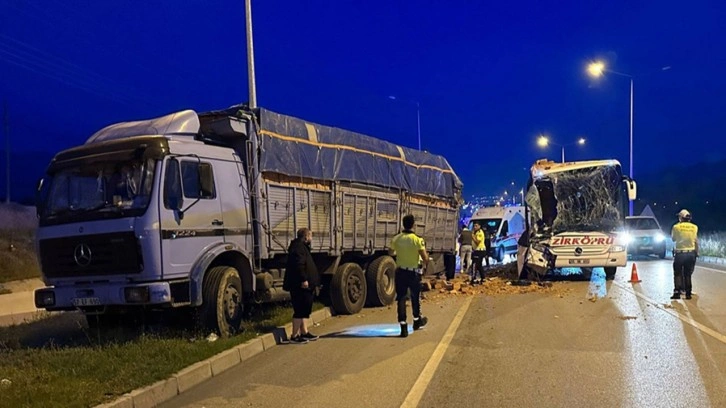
{"x":610,"y":272}
{"x":348,"y":289}
{"x":380,"y":279}
{"x":221,"y":308}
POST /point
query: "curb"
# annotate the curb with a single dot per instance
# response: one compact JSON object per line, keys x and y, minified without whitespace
{"x":197,"y":373}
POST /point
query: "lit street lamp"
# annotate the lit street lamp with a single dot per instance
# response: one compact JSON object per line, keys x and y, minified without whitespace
{"x":597,"y":69}
{"x":544,"y":141}
{"x":418,"y":117}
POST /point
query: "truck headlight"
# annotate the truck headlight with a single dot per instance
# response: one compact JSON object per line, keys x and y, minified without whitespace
{"x":136,"y":294}
{"x":617,"y":248}
{"x":44,"y":298}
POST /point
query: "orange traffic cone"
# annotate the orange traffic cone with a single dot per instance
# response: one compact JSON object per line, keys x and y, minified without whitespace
{"x":634,"y":275}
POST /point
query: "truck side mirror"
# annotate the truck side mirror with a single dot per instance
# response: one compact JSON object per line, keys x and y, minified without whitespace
{"x":40,"y":197}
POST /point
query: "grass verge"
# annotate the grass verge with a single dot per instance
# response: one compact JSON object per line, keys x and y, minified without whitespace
{"x":712,"y":244}
{"x":17,"y":255}
{"x":59,"y":362}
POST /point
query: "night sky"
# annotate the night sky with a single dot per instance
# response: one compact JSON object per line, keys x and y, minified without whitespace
{"x":489,"y":76}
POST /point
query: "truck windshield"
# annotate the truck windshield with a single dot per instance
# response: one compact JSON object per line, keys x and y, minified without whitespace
{"x":589,"y":199}
{"x":101,"y":190}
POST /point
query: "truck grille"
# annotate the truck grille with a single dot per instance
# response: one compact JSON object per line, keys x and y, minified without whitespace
{"x":91,"y":255}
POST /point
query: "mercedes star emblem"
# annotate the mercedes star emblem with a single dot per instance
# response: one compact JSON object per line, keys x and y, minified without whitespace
{"x":82,"y":255}
{"x":578,"y":251}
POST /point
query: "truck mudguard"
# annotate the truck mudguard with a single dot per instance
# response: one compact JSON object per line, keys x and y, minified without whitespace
{"x":196,"y":275}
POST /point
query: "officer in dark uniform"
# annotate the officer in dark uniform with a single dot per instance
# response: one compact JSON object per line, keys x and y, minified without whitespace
{"x":685,"y":252}
{"x":411,"y":262}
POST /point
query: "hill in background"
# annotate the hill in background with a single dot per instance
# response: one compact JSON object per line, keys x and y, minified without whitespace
{"x":700,"y":188}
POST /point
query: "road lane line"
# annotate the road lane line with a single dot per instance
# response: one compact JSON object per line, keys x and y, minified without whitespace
{"x":419,"y":387}
{"x":686,"y":319}
{"x":710,"y":269}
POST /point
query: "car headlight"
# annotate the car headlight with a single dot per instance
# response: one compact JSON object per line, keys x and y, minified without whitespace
{"x":626,"y":238}
{"x":659,"y":237}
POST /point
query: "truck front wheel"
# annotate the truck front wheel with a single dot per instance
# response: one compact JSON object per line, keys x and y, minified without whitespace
{"x":380,"y":277}
{"x":348,"y":289}
{"x":221,"y":308}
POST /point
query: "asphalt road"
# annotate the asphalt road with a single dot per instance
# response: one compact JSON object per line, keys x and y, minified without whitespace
{"x":631,"y":347}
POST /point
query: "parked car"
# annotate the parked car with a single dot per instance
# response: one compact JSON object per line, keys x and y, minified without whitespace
{"x":644,"y":236}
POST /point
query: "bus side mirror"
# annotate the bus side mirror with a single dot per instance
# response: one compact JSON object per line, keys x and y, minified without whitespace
{"x":632,"y":190}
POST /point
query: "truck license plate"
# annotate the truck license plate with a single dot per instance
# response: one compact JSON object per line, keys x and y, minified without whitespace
{"x":579,"y":261}
{"x":88,"y":301}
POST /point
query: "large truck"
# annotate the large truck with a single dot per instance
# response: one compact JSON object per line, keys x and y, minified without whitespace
{"x":504,"y":225}
{"x":196,"y":211}
{"x":576,"y":214}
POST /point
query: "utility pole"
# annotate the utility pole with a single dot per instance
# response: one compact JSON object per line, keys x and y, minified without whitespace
{"x":250,"y":56}
{"x":7,"y":153}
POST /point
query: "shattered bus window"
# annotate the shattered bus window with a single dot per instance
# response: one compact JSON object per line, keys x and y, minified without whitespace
{"x":587,"y":199}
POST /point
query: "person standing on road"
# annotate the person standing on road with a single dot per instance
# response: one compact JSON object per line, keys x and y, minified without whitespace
{"x":478,"y":254}
{"x":301,"y":280}
{"x":488,"y":236}
{"x":685,"y":252}
{"x":465,"y":249}
{"x":411,"y":262}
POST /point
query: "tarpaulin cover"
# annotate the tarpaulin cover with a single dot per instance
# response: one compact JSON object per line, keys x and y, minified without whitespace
{"x":297,"y":148}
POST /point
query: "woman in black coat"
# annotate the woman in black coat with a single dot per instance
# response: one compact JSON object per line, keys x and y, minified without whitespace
{"x":301,"y":279}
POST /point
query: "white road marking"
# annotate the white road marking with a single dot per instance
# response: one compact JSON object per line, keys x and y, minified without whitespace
{"x":710,"y":269}
{"x":686,"y":319}
{"x":419,"y":387}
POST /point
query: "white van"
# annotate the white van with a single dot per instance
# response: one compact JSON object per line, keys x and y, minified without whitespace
{"x":504,"y":225}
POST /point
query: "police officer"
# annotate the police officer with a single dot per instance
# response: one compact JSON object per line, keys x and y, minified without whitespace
{"x":479,"y":253}
{"x":685,"y":252}
{"x":410,"y":251}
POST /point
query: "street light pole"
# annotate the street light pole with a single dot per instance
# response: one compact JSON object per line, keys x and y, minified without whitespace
{"x":250,"y":56}
{"x":544,"y":141}
{"x":597,"y":69}
{"x":630,"y":206}
{"x":7,"y":155}
{"x":418,"y":124}
{"x":418,"y":116}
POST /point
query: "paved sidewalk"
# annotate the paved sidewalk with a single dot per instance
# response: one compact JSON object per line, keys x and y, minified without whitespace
{"x":19,"y":306}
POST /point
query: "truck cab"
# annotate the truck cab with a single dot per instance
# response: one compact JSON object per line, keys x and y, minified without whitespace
{"x":132,"y":219}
